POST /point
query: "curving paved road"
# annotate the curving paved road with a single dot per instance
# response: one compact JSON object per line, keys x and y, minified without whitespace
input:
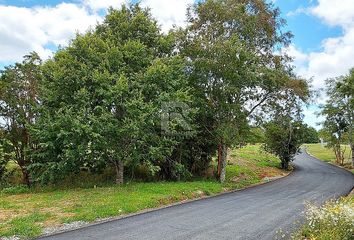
{"x":254,"y":213}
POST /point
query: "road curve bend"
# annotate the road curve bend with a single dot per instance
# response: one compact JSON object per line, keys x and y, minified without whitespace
{"x":254,"y":213}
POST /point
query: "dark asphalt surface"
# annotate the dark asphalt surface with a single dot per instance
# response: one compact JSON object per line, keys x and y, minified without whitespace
{"x":254,"y":213}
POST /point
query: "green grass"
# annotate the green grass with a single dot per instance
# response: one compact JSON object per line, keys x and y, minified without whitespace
{"x":324,"y":153}
{"x":26,"y":214}
{"x":26,"y":226}
{"x":255,"y":154}
{"x":327,"y":154}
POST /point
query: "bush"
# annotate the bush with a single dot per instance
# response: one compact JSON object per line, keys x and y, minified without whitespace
{"x":333,"y":221}
{"x":15,"y":189}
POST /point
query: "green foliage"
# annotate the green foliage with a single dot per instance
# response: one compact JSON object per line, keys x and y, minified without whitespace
{"x":338,"y":127}
{"x":15,"y":189}
{"x":234,"y":69}
{"x":256,"y":135}
{"x":310,"y":135}
{"x":3,"y":161}
{"x":322,"y":152}
{"x":128,"y":97}
{"x":102,"y":100}
{"x":284,"y":138}
{"x":18,"y":102}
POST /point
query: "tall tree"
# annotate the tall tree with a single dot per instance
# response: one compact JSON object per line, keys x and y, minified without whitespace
{"x":231,"y":47}
{"x":18,"y":103}
{"x":339,"y":113}
{"x":283,"y":138}
{"x":103,"y":96}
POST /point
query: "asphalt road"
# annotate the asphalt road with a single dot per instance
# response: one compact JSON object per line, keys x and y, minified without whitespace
{"x":254,"y":213}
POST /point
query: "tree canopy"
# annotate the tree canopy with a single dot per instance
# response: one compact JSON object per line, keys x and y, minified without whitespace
{"x":126,"y":96}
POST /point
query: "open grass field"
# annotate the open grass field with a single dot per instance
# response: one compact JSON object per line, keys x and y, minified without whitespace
{"x":327,"y":154}
{"x":26,"y":213}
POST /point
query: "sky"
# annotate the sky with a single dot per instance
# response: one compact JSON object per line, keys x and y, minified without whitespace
{"x":322,"y":47}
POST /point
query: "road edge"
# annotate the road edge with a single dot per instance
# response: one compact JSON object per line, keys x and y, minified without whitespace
{"x":149,"y":210}
{"x":351,"y":192}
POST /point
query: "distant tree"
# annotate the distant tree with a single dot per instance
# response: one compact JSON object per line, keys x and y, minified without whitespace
{"x":230,"y":46}
{"x":339,"y":113}
{"x":18,"y":109}
{"x":256,"y":135}
{"x":283,"y":138}
{"x":310,"y":135}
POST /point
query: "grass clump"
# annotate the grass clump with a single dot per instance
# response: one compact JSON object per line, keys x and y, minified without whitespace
{"x":29,"y":225}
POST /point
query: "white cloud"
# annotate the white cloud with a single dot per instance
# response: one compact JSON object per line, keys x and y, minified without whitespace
{"x":336,"y":55}
{"x":168,"y":12}
{"x":104,"y":4}
{"x":335,"y":13}
{"x":31,"y":29}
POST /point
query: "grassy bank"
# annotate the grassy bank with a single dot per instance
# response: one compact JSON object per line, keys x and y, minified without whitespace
{"x":26,"y":214}
{"x":327,"y":154}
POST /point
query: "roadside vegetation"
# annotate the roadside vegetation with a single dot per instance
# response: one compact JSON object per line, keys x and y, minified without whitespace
{"x":326,"y":154}
{"x":338,"y":126}
{"x":334,"y":220}
{"x":148,"y":105}
{"x":128,"y":117}
{"x":26,"y":212}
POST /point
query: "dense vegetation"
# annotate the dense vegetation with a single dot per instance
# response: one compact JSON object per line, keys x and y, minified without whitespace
{"x":149,"y":105}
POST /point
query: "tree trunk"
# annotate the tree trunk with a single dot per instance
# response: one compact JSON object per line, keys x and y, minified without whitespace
{"x":219,"y":160}
{"x":119,"y":172}
{"x":26,"y":177}
{"x":285,"y":165}
{"x":222,"y":162}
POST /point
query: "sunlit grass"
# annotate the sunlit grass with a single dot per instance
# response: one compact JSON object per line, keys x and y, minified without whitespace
{"x":326,"y":154}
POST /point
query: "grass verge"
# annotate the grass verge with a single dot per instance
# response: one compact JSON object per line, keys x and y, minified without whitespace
{"x":326,"y":154}
{"x":26,"y":214}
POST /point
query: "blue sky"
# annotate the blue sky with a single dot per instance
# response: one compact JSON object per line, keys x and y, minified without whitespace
{"x":323,"y":43}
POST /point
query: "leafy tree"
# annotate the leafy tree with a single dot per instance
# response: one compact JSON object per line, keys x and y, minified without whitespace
{"x":3,"y":160}
{"x":102,"y":99}
{"x":256,"y":135}
{"x":339,"y":114}
{"x":311,"y":135}
{"x":283,"y":138}
{"x":18,"y":102}
{"x":230,"y":45}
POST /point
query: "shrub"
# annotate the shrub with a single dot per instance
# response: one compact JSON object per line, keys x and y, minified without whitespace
{"x":15,"y":189}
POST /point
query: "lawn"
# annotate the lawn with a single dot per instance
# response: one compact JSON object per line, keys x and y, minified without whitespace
{"x":26,"y":214}
{"x":326,"y":154}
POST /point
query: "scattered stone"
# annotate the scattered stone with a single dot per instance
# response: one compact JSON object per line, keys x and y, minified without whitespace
{"x":64,"y":227}
{"x":10,"y":238}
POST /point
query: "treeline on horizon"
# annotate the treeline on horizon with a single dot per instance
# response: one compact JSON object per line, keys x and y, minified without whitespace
{"x":127,"y":96}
